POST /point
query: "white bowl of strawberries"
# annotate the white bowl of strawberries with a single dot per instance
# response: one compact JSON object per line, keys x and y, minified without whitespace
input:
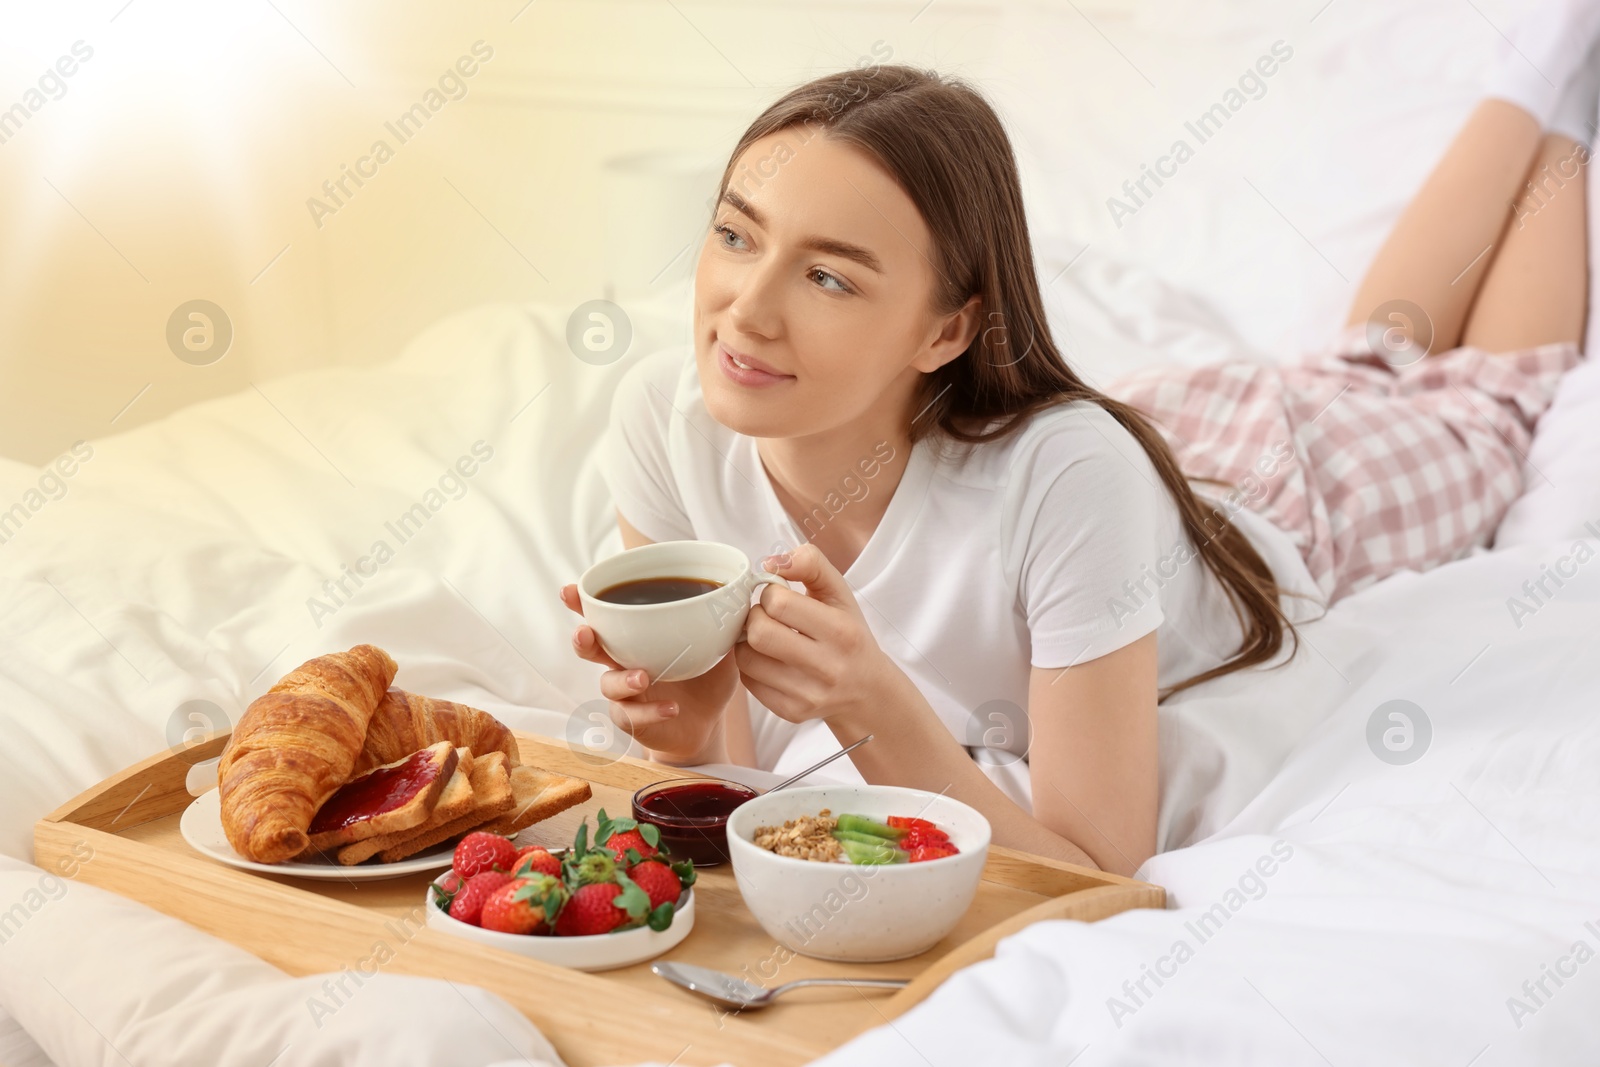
{"x":589,"y":907}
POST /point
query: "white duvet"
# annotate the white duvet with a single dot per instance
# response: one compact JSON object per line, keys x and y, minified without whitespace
{"x":1328,"y":905}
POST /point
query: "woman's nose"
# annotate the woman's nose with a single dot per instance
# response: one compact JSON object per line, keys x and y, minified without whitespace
{"x":757,"y":306}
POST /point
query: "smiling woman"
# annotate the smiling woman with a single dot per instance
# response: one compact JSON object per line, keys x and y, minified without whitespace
{"x":866,"y":287}
{"x":868,"y":277}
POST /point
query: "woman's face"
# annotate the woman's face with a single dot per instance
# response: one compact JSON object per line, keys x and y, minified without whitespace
{"x":818,"y":266}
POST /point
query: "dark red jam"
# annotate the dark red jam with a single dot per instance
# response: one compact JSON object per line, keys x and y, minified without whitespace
{"x":376,"y":792}
{"x":693,"y":818}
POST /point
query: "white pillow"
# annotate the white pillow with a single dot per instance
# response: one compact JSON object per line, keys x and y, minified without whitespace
{"x":81,"y":969}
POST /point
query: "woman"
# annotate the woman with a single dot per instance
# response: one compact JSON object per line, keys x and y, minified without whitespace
{"x":873,"y":384}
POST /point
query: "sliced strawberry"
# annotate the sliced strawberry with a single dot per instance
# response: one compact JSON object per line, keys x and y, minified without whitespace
{"x":906,"y":822}
{"x":932,"y":852}
{"x":920,"y":836}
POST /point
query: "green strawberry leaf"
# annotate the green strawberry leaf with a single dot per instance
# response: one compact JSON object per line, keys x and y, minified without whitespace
{"x":631,"y":856}
{"x":545,"y":891}
{"x":441,"y":897}
{"x":607,"y":826}
{"x":651,"y":833}
{"x":661,"y":917}
{"x":684,"y":869}
{"x":633,"y":900}
{"x":580,"y":844}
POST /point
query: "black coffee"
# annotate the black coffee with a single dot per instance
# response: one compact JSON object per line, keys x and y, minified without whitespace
{"x":655,"y":590}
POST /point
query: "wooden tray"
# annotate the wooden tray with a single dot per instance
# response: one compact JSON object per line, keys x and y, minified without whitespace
{"x":307,"y":927}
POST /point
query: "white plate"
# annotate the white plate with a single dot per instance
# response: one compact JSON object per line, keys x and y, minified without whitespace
{"x":201,"y":825}
{"x":598,"y":952}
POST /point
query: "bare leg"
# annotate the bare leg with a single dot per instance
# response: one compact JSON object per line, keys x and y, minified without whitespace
{"x":1538,"y":284}
{"x":1441,"y":249}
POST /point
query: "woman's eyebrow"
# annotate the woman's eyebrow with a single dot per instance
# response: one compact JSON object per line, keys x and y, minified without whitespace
{"x":827,"y":245}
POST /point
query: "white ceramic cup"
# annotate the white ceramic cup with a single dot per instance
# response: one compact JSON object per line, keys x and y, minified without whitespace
{"x":680,"y":638}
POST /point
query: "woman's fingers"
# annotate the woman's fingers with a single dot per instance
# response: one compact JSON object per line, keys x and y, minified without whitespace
{"x":773,"y":675}
{"x":619,"y":685}
{"x":776,"y":640}
{"x":584,"y":641}
{"x":622,"y":684}
{"x":587,"y":646}
{"x":633,"y":717}
{"x":800,"y":612}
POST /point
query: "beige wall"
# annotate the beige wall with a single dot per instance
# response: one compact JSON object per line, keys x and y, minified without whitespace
{"x":177,"y":162}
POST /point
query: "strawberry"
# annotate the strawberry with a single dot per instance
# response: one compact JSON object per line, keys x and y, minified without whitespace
{"x":469,"y":899}
{"x":620,"y":835}
{"x":932,"y":852}
{"x":480,"y":851}
{"x":521,"y":905}
{"x":907,"y":822}
{"x":619,"y":844}
{"x":917,"y":837}
{"x":591,"y":911}
{"x":535,"y":859}
{"x":658,"y":880}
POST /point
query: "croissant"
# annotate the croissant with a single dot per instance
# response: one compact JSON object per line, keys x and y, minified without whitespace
{"x":294,"y":747}
{"x":405,"y":722}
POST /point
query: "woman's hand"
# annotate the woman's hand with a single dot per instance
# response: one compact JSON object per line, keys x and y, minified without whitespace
{"x":811,"y":655}
{"x":677,"y":721}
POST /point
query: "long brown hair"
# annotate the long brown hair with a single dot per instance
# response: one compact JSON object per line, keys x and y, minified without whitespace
{"x":944,"y":144}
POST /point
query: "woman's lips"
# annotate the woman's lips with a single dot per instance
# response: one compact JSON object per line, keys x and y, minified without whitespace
{"x":746,"y":375}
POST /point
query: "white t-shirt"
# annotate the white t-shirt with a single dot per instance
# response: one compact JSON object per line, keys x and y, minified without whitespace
{"x":1051,"y":547}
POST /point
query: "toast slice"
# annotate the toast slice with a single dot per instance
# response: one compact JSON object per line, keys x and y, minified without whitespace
{"x":396,"y":796}
{"x":455,"y":800}
{"x":539,"y":795}
{"x":492,"y":795}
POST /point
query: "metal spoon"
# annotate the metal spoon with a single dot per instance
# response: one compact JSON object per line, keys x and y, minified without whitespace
{"x":821,"y":764}
{"x":734,"y":992}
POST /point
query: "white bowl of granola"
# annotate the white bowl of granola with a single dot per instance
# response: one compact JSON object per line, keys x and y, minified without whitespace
{"x":830,"y":908}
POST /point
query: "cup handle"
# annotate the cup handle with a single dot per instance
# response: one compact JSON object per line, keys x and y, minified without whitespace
{"x":761,"y":578}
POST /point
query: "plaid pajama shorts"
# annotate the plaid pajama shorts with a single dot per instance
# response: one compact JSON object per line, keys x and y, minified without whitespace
{"x":1392,"y":467}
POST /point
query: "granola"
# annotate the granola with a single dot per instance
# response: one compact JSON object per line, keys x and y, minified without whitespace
{"x":809,"y":837}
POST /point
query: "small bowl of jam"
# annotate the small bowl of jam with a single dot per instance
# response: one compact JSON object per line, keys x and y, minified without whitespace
{"x":692,"y":815}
